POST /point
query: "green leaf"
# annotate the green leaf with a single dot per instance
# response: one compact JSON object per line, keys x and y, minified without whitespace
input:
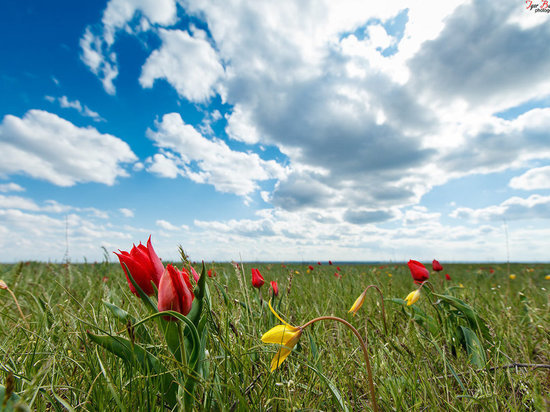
{"x":474,"y":320}
{"x":147,"y":362}
{"x":473,"y":347}
{"x":124,"y":317}
{"x":332,"y":387}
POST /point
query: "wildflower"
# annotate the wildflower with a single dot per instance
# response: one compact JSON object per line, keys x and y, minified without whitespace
{"x":175,"y":291}
{"x":547,"y":277}
{"x":512,"y":276}
{"x":257,"y":278}
{"x":358,"y":303}
{"x":285,"y":335}
{"x":330,"y":262}
{"x":336,"y":274}
{"x":310,"y":267}
{"x":413,"y":297}
{"x":338,"y":268}
{"x":275,"y":288}
{"x":447,"y":276}
{"x":390,"y":275}
{"x":319,"y":263}
{"x":436,"y":266}
{"x":296,"y":272}
{"x":418,"y":271}
{"x":144,"y":266}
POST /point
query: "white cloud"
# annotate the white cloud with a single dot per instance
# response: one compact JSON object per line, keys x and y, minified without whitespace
{"x":515,"y":208}
{"x":537,"y":178}
{"x":164,"y":224}
{"x":11,"y":187}
{"x":188,"y":153}
{"x":187,"y":62}
{"x":45,"y":146}
{"x":163,"y":165}
{"x":96,"y":47}
{"x":126,"y":212}
{"x":75,"y":104}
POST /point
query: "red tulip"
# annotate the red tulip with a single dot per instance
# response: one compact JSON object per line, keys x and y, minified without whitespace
{"x":319,"y":263}
{"x":336,"y":274}
{"x":437,"y":266}
{"x":257,"y":278}
{"x":310,"y":267}
{"x":175,"y":291}
{"x":330,"y":262}
{"x":275,"y":288}
{"x":447,"y":276}
{"x":196,"y":276}
{"x":418,"y":271}
{"x":144,"y":265}
{"x":338,"y":268}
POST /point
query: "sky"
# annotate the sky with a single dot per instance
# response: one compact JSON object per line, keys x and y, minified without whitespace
{"x":275,"y":131}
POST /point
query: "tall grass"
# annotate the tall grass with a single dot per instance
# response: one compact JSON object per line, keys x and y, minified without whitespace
{"x":57,"y":368}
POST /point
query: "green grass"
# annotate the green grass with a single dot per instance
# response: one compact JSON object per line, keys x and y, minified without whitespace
{"x":56,"y":367}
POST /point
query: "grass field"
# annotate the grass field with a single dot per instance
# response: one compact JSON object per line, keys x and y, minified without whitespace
{"x":423,"y":362}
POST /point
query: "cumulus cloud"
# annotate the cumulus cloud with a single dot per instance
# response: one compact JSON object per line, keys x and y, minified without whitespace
{"x":537,"y":178}
{"x":480,"y":58}
{"x":82,"y":109}
{"x":126,"y":212}
{"x":11,"y":187}
{"x":164,"y":224}
{"x":96,"y":45}
{"x":45,"y":146}
{"x":186,"y":61}
{"x":515,"y":208}
{"x":186,"y":152}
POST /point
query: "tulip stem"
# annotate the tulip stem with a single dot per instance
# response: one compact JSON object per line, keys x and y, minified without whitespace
{"x":383,"y":310}
{"x":363,"y":347}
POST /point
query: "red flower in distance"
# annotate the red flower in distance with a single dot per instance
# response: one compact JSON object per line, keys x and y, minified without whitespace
{"x":338,"y":268}
{"x":336,"y":274}
{"x":330,"y":262}
{"x":257,"y":278}
{"x":175,"y":291}
{"x":437,"y":266}
{"x":144,"y":265}
{"x":275,"y":287}
{"x":319,"y":263}
{"x":447,"y":276}
{"x":310,"y":267}
{"x":418,"y":271}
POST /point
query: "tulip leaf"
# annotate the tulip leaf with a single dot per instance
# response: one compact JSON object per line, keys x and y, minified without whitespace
{"x":474,"y":320}
{"x":473,"y":347}
{"x":148,"y":302}
{"x":124,"y":317}
{"x":200,"y":290}
{"x":332,"y":387}
{"x":148,"y":363}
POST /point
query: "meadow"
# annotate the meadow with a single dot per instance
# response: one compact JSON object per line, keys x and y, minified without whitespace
{"x":479,"y":341}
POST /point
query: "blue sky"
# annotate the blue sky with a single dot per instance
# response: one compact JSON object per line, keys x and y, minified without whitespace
{"x":275,"y":130}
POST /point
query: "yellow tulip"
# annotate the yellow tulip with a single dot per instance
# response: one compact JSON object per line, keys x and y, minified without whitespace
{"x":547,"y":277}
{"x":413,"y":297}
{"x":358,"y":303}
{"x":512,"y":276}
{"x":285,"y":335}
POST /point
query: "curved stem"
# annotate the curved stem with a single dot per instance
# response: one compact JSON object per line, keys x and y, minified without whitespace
{"x":383,"y":310}
{"x":363,"y":347}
